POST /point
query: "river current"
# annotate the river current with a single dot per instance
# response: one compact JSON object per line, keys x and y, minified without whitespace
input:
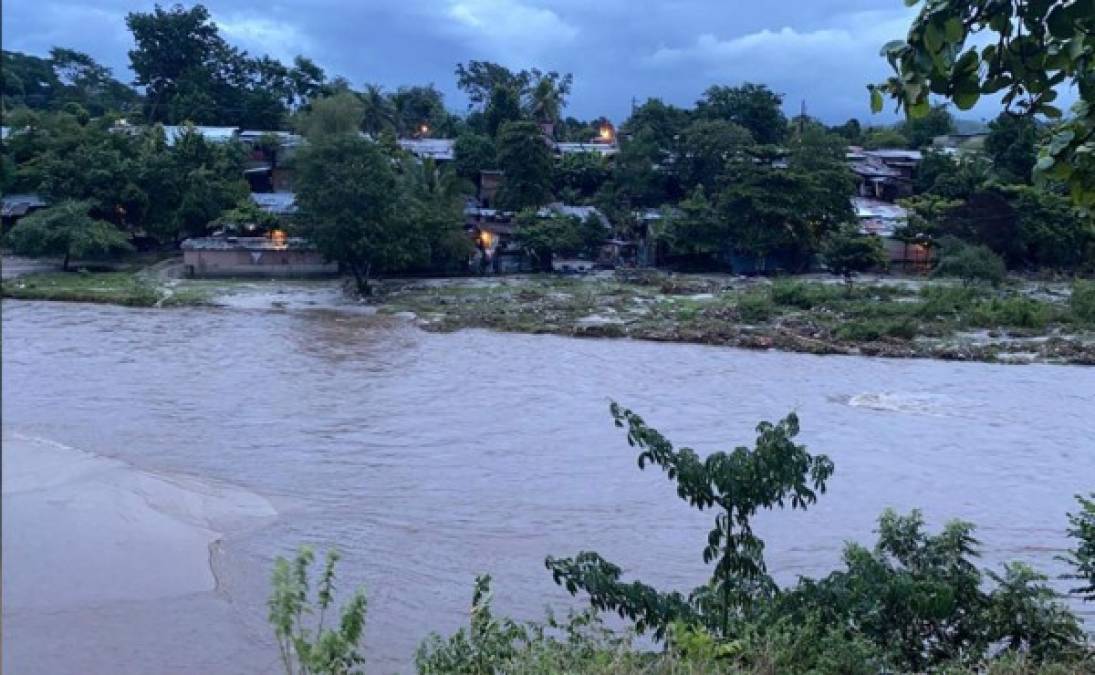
{"x":427,"y":459}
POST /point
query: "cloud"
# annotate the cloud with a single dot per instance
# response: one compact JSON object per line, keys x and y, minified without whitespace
{"x":508,"y":29}
{"x":261,"y":35}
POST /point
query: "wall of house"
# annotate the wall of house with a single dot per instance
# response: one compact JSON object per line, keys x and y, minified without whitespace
{"x":243,"y":263}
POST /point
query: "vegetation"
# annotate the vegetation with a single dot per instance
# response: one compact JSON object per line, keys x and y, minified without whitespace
{"x":847,"y":251}
{"x":970,"y":263}
{"x":120,"y":288}
{"x":303,"y":649}
{"x":67,"y":231}
{"x":1027,"y":51}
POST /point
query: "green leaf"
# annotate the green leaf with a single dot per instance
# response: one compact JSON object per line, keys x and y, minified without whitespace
{"x":1059,"y":23}
{"x":876,"y":99}
{"x":966,"y":99}
{"x":1050,"y":111}
{"x":920,"y":108}
{"x":933,"y":38}
{"x":954,"y":30}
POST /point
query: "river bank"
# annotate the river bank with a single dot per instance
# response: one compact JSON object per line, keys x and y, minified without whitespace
{"x":891,"y":317}
{"x":898,"y":317}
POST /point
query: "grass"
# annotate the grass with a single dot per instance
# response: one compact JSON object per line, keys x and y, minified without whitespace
{"x":120,"y":288}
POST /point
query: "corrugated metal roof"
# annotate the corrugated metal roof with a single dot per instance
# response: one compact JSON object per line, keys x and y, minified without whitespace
{"x":434,"y":148}
{"x":579,"y":148}
{"x":279,"y":203}
{"x":244,"y":244}
{"x":14,"y":206}
{"x":211,"y":134}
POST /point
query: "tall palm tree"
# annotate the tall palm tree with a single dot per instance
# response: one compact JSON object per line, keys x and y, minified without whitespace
{"x":379,"y":112}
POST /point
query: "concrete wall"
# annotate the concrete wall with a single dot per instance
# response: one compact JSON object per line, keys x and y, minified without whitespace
{"x":243,"y":263}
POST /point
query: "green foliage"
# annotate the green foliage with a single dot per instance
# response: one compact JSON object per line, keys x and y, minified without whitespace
{"x":1082,"y":558}
{"x":970,"y":263}
{"x":754,"y":308}
{"x":775,"y":472}
{"x":921,"y":130}
{"x":706,"y":145}
{"x":870,"y":330}
{"x":472,"y":154}
{"x":526,"y":161}
{"x":886,"y":137}
{"x":584,"y":173}
{"x":340,"y":114}
{"x":1082,"y":300}
{"x":1026,"y":613}
{"x":66,"y":230}
{"x":753,"y":106}
{"x":1011,"y":145}
{"x":695,"y":227}
{"x":321,"y":650}
{"x":545,"y":236}
{"x":349,"y":206}
{"x":1028,"y":51}
{"x":848,"y":251}
{"x":247,"y":217}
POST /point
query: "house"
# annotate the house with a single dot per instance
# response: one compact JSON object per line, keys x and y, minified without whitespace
{"x":282,"y":204}
{"x":885,"y":174}
{"x":886,"y":220}
{"x":960,"y":141}
{"x":268,"y":167}
{"x":275,"y":255}
{"x":14,"y":207}
{"x":437,"y":149}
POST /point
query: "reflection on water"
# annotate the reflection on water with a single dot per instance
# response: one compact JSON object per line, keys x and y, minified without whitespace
{"x":430,"y":458}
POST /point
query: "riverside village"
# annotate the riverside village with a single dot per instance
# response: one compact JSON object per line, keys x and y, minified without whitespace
{"x":531,"y":337}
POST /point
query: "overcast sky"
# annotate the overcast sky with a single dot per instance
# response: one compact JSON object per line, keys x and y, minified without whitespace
{"x":820,"y":51}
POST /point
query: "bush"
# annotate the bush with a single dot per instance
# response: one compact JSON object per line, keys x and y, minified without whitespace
{"x":754,"y":308}
{"x":1082,"y":301}
{"x":945,"y":301}
{"x":970,"y":264}
{"x":1017,"y":312}
{"x":869,"y":331}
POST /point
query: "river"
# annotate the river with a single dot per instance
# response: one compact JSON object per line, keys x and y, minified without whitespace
{"x":427,"y":459}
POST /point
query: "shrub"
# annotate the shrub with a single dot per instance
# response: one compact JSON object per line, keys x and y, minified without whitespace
{"x":945,"y":301}
{"x":1014,"y":311}
{"x":869,"y":331}
{"x":324,"y":649}
{"x":754,"y":308}
{"x":1082,"y":301}
{"x":970,"y":264}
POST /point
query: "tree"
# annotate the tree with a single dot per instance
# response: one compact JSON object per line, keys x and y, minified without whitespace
{"x":176,"y":55}
{"x":340,"y":114}
{"x":775,"y":472}
{"x":584,"y":173}
{"x":885,"y":137}
{"x":504,"y":106}
{"x":848,"y":251}
{"x":920,"y":131}
{"x":348,"y":206}
{"x":662,"y":123}
{"x":850,"y":130}
{"x":1082,"y":558}
{"x":526,"y":161}
{"x":67,"y":230}
{"x":753,"y":106}
{"x":695,"y":227}
{"x":418,"y":107}
{"x":547,"y":95}
{"x":435,"y":197}
{"x":247,"y":217}
{"x":378,"y":113}
{"x":705,"y":147}
{"x":970,"y":263}
{"x":472,"y":154}
{"x":1011,"y":145}
{"x":480,"y":80}
{"x":543,"y":237}
{"x":1028,"y":51}
{"x":321,"y":650}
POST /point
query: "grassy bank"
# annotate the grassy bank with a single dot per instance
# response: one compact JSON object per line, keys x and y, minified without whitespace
{"x":121,"y":288}
{"x":911,"y":318}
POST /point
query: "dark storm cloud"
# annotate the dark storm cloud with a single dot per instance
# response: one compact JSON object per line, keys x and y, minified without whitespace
{"x":823,"y":51}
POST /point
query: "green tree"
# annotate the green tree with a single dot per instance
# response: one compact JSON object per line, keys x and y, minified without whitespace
{"x":68,"y":231}
{"x":851,"y":130}
{"x":706,"y":145}
{"x":970,"y":263}
{"x":339,"y":114}
{"x":921,"y":130}
{"x":504,"y":106}
{"x":661,"y":123}
{"x":583,"y":172}
{"x":547,"y":96}
{"x":884,"y":137}
{"x":776,"y":472}
{"x":349,"y":207}
{"x":247,"y":217}
{"x":472,"y":154}
{"x":526,"y":162}
{"x":1082,"y":558}
{"x":848,"y":251}
{"x":695,"y":227}
{"x":544,"y":237}
{"x":435,"y":200}
{"x":378,"y":113}
{"x":1027,"y":51}
{"x":753,"y":106}
{"x":321,"y":650}
{"x":1011,"y":145}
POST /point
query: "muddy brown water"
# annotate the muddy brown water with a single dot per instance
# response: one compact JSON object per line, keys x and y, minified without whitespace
{"x":428,"y":459}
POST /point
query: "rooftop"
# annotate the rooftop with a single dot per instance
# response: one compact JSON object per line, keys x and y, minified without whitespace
{"x":434,"y":148}
{"x":13,"y":206}
{"x":578,"y":148}
{"x":245,"y":244}
{"x":211,"y":134}
{"x":278,"y":203}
